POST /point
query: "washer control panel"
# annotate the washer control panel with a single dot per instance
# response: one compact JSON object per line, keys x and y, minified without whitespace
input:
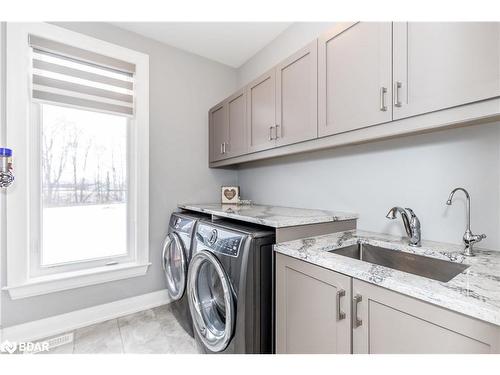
{"x":220,"y":240}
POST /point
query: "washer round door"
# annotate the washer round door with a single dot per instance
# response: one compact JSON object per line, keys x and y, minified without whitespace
{"x":174,"y":265}
{"x":210,"y":301}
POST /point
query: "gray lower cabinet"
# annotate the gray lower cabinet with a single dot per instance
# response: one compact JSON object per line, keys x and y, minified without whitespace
{"x":321,"y":311}
{"x":312,"y":308}
{"x":391,"y":323}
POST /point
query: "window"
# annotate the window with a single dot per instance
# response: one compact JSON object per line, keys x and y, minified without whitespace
{"x":84,"y":185}
{"x":78,"y":214}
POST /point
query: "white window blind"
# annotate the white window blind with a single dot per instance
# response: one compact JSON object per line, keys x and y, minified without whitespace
{"x":71,"y":76}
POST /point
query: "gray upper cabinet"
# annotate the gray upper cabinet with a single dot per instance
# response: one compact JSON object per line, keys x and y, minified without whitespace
{"x":227,"y":128}
{"x":236,"y":119}
{"x":362,"y":81}
{"x":444,"y":64}
{"x":296,"y":97}
{"x":354,"y":76}
{"x":391,"y":323}
{"x":261,"y":113}
{"x":218,"y":132}
{"x":312,"y":309}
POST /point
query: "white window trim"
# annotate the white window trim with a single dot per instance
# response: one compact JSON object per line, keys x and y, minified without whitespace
{"x":19,"y":203}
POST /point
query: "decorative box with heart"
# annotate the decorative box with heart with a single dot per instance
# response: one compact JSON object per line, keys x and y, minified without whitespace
{"x":230,"y":194}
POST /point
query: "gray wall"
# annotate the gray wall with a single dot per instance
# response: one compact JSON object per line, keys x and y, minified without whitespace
{"x":414,"y":171}
{"x":182,"y":87}
{"x":297,"y":35}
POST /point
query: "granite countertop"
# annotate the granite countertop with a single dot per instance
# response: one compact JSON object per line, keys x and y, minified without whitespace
{"x":474,"y":292}
{"x":272,"y":216}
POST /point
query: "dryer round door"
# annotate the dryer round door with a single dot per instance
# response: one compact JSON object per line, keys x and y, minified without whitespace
{"x":174,"y":265}
{"x":210,"y":301}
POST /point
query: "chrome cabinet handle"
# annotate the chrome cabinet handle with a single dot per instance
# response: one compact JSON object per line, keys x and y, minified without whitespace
{"x":224,"y":148}
{"x":276,"y":131}
{"x":397,"y":87}
{"x":340,"y":313}
{"x":271,"y":133}
{"x":355,"y":321}
{"x":383,"y":91}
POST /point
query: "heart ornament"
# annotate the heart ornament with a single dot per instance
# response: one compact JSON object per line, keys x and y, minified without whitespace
{"x":229,"y":193}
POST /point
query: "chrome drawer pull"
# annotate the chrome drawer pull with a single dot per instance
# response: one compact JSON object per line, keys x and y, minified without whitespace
{"x":340,"y":313}
{"x":355,"y":321}
{"x":271,"y":133}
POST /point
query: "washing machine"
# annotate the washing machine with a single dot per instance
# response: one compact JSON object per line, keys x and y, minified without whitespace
{"x":176,"y":254}
{"x":230,"y":288}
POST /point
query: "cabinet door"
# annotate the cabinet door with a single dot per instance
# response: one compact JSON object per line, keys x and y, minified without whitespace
{"x":392,"y":323}
{"x":444,"y":64}
{"x":218,"y":131}
{"x":236,"y":119}
{"x":261,"y":111}
{"x":297,"y":97}
{"x":354,"y":77}
{"x":307,"y":311}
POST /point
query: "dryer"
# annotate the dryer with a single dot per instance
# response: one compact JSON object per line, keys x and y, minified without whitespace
{"x":230,"y":287}
{"x":176,"y":254}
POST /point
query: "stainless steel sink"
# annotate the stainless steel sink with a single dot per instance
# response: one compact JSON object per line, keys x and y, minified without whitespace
{"x":431,"y":268}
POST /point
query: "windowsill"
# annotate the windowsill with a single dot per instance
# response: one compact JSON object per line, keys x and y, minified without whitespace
{"x":77,"y":279}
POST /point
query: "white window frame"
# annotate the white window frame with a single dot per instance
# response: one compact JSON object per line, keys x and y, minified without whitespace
{"x":23,"y":197}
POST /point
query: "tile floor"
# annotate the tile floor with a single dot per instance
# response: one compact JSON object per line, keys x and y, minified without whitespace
{"x":153,"y":331}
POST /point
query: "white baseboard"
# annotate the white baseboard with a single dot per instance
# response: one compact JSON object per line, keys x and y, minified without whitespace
{"x":58,"y":324}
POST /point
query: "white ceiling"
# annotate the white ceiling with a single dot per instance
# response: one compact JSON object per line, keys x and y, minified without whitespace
{"x":230,"y":43}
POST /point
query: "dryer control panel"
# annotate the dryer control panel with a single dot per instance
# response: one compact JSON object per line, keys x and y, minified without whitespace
{"x":219,"y":240}
{"x":181,"y":224}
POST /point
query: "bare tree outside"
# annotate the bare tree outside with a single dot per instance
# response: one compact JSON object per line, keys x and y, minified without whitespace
{"x":67,"y":176}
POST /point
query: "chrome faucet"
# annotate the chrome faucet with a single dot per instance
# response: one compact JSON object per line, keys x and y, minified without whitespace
{"x":469,"y":238}
{"x":411,"y":223}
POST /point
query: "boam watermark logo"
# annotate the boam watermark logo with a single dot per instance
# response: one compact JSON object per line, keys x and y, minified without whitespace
{"x":23,"y":347}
